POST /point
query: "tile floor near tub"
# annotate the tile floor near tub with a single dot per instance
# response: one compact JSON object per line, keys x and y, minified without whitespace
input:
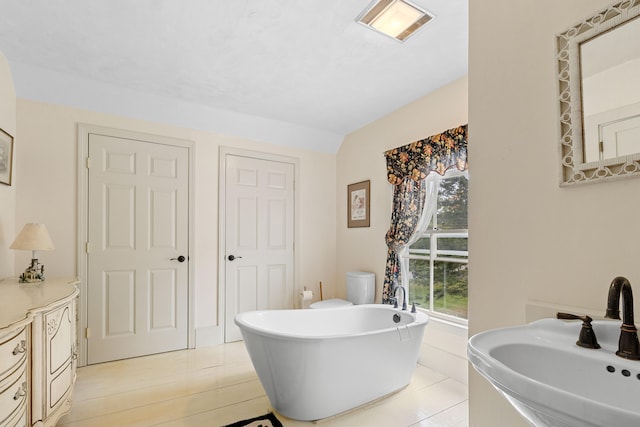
{"x":215,"y":386}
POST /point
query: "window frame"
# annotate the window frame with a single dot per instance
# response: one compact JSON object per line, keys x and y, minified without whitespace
{"x":453,"y":256}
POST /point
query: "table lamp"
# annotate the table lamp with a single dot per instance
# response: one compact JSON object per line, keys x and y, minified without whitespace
{"x":33,"y":237}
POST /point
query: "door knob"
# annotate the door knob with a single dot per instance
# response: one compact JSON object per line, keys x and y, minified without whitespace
{"x":181,"y":258}
{"x":232,"y":257}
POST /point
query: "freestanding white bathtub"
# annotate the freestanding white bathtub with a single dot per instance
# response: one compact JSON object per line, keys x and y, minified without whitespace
{"x":317,"y":363}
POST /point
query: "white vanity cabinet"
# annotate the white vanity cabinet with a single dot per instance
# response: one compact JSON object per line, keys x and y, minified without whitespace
{"x":38,"y":350}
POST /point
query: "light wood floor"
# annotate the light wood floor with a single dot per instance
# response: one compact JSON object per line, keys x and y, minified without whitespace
{"x":215,"y":386}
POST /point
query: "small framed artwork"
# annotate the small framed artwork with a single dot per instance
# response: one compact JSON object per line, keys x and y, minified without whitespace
{"x":6,"y":157}
{"x":358,"y":204}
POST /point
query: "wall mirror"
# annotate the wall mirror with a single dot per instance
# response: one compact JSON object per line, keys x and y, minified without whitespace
{"x":598,"y":69}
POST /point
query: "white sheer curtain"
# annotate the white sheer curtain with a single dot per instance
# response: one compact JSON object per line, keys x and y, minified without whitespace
{"x":432,"y":183}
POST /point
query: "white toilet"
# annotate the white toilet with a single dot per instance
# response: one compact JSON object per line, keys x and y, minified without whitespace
{"x":361,"y":289}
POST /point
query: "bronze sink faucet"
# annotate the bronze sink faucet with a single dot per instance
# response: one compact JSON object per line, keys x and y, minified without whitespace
{"x":628,"y":345}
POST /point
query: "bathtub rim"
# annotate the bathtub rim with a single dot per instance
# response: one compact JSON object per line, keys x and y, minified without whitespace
{"x":419,"y":319}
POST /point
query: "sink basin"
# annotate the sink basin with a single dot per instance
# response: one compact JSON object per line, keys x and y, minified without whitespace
{"x":552,"y":382}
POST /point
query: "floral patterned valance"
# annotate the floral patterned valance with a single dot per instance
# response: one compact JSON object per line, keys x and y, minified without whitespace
{"x":436,"y":153}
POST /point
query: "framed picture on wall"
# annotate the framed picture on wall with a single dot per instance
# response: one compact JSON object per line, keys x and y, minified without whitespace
{"x":6,"y":157}
{"x":358,"y":204}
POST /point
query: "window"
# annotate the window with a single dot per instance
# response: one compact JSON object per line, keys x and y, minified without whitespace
{"x":436,"y":263}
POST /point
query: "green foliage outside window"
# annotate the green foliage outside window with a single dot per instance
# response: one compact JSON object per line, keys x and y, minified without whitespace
{"x":452,"y":203}
{"x":449,"y":289}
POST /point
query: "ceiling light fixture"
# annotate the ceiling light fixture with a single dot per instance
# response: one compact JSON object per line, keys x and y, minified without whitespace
{"x":395,"y":18}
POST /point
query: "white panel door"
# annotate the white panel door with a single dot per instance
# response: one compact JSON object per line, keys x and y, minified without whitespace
{"x":621,"y":137}
{"x":259,"y":236}
{"x":137,"y":279}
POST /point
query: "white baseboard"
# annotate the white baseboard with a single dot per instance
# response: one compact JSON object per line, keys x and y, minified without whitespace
{"x":444,"y":362}
{"x":209,"y":335}
{"x":444,"y":349}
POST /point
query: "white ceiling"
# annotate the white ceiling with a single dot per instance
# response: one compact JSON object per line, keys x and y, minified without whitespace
{"x":276,"y":68}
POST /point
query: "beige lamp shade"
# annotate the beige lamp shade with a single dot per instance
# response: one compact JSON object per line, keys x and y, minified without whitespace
{"x":33,"y":237}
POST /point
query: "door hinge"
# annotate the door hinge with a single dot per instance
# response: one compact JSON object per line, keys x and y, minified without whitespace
{"x":88,"y":162}
{"x":601,"y":146}
{"x":86,"y":247}
{"x":87,"y":332}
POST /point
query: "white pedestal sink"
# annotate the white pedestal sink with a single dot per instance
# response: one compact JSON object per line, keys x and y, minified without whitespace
{"x":554,"y":383}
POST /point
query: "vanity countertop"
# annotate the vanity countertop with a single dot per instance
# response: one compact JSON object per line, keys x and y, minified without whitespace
{"x":18,"y":301}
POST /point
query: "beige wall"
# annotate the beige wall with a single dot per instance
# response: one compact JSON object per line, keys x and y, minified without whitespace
{"x":361,"y":158}
{"x":47,"y":173}
{"x":7,"y":193}
{"x":531,"y":240}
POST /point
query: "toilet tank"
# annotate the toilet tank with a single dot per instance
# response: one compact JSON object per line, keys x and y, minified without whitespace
{"x":361,"y":287}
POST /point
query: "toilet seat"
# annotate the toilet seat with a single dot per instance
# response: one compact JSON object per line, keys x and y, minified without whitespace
{"x":331,"y":303}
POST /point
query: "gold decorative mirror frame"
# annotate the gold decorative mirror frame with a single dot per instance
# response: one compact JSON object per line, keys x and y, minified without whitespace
{"x":573,"y":168}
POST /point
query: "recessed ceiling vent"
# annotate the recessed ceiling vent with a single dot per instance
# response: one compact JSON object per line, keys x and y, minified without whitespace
{"x":395,"y":18}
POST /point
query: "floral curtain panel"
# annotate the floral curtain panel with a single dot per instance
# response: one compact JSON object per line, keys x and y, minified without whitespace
{"x":407,"y":168}
{"x":408,"y":205}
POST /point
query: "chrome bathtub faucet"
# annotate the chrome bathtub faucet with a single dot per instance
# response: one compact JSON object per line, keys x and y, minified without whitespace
{"x":404,"y":298}
{"x":628,"y":345}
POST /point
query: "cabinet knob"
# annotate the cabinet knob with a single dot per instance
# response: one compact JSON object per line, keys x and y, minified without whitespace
{"x":22,"y":391}
{"x":20,"y":348}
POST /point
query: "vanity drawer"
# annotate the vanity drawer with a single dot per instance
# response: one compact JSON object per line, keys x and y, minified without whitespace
{"x":19,"y":419}
{"x":13,"y":351}
{"x":14,"y":390}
